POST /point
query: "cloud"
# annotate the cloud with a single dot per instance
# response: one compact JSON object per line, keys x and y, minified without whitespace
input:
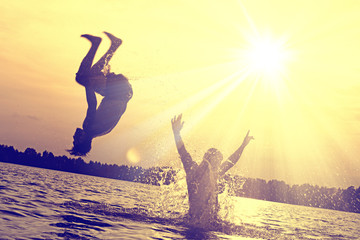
{"x":31,"y":117}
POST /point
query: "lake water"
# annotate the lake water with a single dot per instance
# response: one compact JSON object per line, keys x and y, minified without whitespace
{"x":45,"y":204}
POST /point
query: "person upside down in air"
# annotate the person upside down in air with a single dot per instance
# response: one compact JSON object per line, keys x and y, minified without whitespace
{"x":202,"y":180}
{"x":115,"y":89}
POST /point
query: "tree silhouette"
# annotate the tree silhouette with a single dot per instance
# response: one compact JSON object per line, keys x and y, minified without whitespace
{"x":273,"y":190}
{"x":30,"y":157}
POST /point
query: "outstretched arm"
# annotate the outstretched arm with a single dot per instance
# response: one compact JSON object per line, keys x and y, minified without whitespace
{"x":91,"y":111}
{"x":186,"y":159}
{"x":177,"y":125}
{"x":234,"y":158}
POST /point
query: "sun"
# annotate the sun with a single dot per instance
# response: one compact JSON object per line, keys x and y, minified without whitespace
{"x":267,"y":57}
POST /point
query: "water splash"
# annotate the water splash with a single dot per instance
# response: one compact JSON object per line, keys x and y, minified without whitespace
{"x":227,"y":187}
{"x":173,"y":198}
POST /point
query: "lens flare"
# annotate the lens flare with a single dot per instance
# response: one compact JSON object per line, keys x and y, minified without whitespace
{"x":133,"y":156}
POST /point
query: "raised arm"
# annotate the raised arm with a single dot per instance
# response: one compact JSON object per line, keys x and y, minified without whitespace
{"x":234,"y":158}
{"x":186,"y":159}
{"x":91,"y":111}
{"x":177,"y":125}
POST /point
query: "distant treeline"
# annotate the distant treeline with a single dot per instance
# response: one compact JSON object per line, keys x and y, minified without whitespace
{"x":305,"y":194}
{"x":154,"y":176}
{"x":273,"y":190}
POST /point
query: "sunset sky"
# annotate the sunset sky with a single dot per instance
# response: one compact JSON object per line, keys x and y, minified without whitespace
{"x":287,"y":70}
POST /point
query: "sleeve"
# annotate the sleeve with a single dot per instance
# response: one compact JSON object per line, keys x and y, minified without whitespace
{"x":225,"y":166}
{"x":188,"y":163}
{"x":91,"y":111}
{"x":231,"y":161}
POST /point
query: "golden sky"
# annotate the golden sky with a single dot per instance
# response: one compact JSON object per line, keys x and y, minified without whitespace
{"x":188,"y":57}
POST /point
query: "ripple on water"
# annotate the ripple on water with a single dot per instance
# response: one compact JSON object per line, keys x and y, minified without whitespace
{"x":7,"y":188}
{"x":92,"y":191}
{"x":117,"y":208}
{"x":11,"y":213}
{"x":69,"y":235}
{"x":89,"y":201}
{"x":32,"y":184}
{"x":9,"y":200}
{"x":71,"y":221}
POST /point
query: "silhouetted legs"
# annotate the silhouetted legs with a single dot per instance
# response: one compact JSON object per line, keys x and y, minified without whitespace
{"x":95,"y":75}
{"x":86,"y":63}
{"x":104,"y":60}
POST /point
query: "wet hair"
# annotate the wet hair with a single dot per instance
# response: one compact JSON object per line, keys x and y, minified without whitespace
{"x":81,"y":149}
{"x":82,"y":146}
{"x":212,"y":155}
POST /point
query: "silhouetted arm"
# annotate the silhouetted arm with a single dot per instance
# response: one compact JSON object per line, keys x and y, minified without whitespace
{"x":91,"y":111}
{"x":186,"y":159}
{"x":234,"y":158}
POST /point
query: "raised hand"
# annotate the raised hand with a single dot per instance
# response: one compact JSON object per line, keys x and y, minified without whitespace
{"x":177,"y":124}
{"x":247,"y":139}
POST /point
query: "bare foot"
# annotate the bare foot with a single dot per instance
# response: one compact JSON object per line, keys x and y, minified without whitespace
{"x":92,"y":39}
{"x":114,"y":40}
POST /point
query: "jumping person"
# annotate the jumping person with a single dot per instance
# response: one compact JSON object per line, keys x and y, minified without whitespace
{"x":202,"y":180}
{"x":115,"y":89}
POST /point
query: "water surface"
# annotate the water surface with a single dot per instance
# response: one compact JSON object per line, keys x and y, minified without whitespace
{"x":45,"y":204}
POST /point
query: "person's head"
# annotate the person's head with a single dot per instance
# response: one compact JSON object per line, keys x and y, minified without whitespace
{"x":82,"y":143}
{"x":214,"y":157}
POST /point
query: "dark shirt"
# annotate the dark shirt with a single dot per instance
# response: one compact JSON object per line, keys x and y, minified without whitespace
{"x":102,"y":120}
{"x":202,"y":189}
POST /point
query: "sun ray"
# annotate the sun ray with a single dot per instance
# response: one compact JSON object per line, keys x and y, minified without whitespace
{"x":210,"y":96}
{"x":219,"y":96}
{"x":248,"y":18}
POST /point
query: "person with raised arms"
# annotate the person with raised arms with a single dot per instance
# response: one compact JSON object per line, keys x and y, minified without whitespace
{"x":202,"y":179}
